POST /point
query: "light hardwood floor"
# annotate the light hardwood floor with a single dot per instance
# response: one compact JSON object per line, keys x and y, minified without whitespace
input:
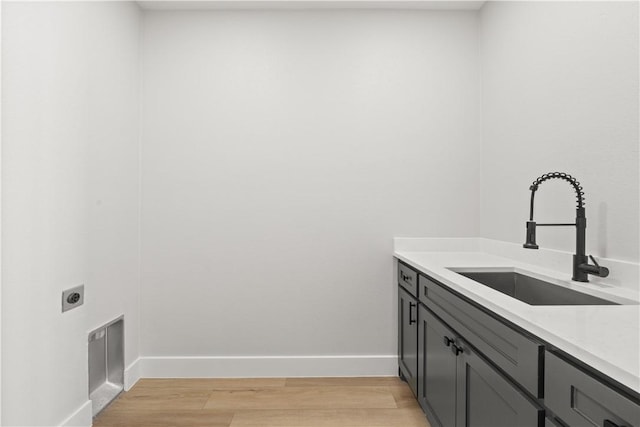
{"x":266,"y":402}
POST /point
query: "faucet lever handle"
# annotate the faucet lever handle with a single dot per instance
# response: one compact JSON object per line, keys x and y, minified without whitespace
{"x":595,"y":268}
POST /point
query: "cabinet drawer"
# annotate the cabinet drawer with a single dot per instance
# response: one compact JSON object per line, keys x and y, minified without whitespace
{"x":514,"y":353}
{"x":581,"y":400}
{"x":408,"y":279}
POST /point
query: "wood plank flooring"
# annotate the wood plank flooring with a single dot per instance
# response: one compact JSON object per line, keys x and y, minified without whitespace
{"x":266,"y":402}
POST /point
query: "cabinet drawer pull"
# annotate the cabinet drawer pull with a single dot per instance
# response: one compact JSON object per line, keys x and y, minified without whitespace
{"x":609,"y":423}
{"x":405,"y":278}
{"x":447,"y":341}
{"x":411,"y":319}
{"x":456,"y":350}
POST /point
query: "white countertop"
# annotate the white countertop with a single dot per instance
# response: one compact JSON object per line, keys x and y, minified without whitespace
{"x":606,"y":337}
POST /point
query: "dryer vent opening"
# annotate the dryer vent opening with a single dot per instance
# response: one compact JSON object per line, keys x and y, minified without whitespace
{"x":106,"y":364}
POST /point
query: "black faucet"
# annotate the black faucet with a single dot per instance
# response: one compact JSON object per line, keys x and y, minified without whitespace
{"x":581,"y":266}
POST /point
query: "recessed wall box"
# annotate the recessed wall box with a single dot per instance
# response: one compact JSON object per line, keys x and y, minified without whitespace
{"x":106,"y":364}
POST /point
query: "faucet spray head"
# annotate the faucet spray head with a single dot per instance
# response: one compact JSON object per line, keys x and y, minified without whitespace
{"x":530,"y":243}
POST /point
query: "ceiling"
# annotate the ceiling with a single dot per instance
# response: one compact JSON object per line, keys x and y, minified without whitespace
{"x":309,"y":4}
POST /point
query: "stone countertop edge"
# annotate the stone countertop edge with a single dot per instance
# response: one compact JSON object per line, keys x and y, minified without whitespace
{"x":606,"y":337}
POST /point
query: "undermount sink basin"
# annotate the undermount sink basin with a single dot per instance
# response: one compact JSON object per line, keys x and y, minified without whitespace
{"x":531,"y":290}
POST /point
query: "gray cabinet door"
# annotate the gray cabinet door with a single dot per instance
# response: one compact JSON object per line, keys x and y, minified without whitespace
{"x":436,"y":370}
{"x":408,"y":338}
{"x":487,"y":399}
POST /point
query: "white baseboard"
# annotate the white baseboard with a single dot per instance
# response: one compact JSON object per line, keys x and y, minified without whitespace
{"x":268,"y":366}
{"x":132,"y":374}
{"x":82,"y":417}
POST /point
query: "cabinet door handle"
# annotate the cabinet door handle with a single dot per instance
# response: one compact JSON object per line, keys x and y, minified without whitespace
{"x":456,"y":350}
{"x":447,"y":341}
{"x":411,"y":319}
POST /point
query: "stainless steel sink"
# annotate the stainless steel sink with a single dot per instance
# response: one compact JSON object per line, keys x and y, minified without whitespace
{"x":533,"y":291}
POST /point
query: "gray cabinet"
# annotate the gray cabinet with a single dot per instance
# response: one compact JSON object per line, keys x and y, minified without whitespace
{"x":487,"y":399}
{"x":471,"y":368}
{"x":579,"y":399}
{"x":458,"y":388}
{"x":437,"y":367}
{"x":408,"y":338}
{"x":517,"y":355}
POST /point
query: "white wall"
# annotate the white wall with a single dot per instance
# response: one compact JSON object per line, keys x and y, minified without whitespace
{"x":281,"y":153}
{"x":69,"y":196}
{"x":0,"y":216}
{"x":560,"y":93}
{"x":114,"y":173}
